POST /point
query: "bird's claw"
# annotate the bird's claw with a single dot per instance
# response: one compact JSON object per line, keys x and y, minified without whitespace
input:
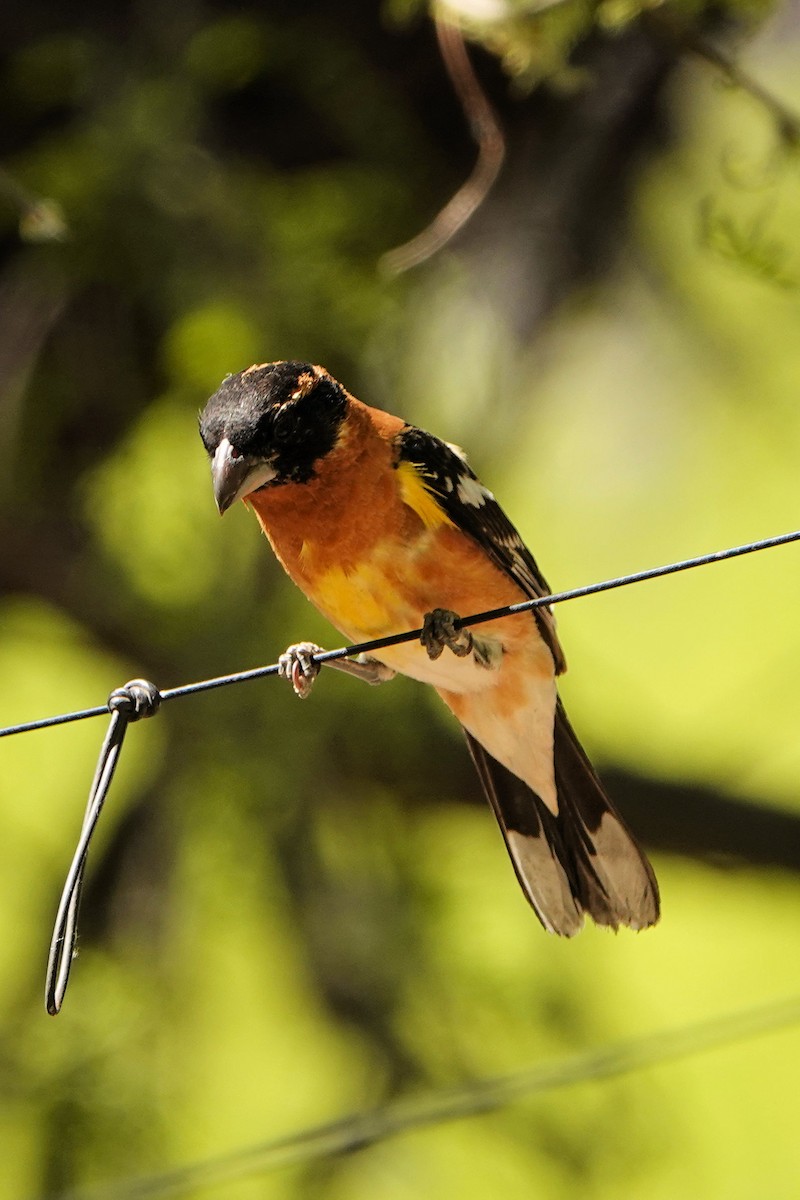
{"x":439,"y":629}
{"x":297,"y":665}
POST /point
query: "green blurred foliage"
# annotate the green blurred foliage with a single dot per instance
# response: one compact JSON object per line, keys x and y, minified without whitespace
{"x":535,"y":39}
{"x":290,"y":913}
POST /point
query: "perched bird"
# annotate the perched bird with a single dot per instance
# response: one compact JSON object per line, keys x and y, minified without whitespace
{"x":385,"y":528}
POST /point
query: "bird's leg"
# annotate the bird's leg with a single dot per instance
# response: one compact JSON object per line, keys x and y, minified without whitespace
{"x":297,"y":664}
{"x":439,"y":630}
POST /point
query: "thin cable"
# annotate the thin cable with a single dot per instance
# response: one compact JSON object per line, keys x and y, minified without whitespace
{"x":607,"y":585}
{"x":362,"y":1130}
{"x":142,"y":699}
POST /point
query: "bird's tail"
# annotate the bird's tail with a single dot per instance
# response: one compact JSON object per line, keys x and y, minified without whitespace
{"x":585,"y":860}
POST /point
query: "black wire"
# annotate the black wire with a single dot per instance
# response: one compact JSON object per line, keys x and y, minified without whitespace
{"x":142,"y":699}
{"x":361,"y":1130}
{"x":607,"y":585}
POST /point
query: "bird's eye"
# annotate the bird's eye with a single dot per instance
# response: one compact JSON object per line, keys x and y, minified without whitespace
{"x":281,"y":431}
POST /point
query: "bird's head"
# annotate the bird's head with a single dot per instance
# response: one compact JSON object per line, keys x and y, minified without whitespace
{"x":270,"y":425}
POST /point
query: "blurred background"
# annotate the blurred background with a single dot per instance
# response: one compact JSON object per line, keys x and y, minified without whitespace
{"x":292,"y":911}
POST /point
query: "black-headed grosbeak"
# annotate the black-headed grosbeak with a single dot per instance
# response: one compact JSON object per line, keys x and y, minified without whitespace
{"x":385,"y":528}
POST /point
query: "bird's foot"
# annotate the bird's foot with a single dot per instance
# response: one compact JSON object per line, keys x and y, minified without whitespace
{"x":297,"y":665}
{"x":439,"y":629}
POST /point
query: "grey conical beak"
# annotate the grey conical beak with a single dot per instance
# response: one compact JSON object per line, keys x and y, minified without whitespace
{"x":237,"y":475}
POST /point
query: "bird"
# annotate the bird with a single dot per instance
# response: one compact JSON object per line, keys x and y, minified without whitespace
{"x":386,"y":528}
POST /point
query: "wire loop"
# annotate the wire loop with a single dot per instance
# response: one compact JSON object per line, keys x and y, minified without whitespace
{"x":135,"y":701}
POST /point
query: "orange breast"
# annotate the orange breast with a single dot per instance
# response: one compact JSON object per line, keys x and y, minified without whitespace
{"x":365,"y":547}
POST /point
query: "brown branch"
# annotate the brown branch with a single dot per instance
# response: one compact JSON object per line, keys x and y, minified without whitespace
{"x":787,"y":121}
{"x":487,"y":132}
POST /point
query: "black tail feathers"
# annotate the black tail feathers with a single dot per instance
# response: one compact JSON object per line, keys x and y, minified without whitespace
{"x":585,"y":860}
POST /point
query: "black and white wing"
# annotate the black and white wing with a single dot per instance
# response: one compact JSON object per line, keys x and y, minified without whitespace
{"x":453,"y":484}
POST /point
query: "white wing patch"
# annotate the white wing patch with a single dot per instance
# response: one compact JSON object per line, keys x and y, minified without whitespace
{"x":462,"y":454}
{"x":471,"y":491}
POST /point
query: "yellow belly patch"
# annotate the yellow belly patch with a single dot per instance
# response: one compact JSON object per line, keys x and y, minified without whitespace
{"x":359,"y":601}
